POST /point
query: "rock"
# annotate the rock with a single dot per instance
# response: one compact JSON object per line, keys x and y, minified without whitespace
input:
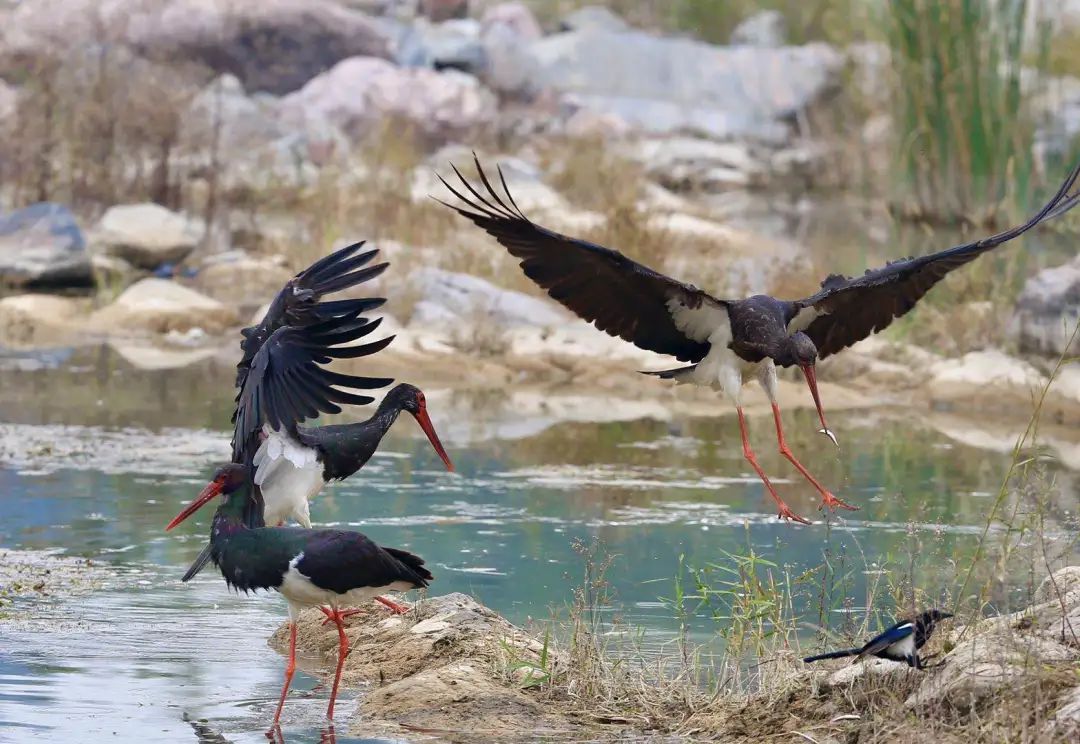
{"x":453,"y":45}
{"x":1055,"y":104}
{"x":462,"y":695}
{"x":39,"y":319}
{"x":871,"y":671}
{"x":147,"y":235}
{"x":223,"y":110}
{"x":160,"y":306}
{"x":1063,"y":581}
{"x":691,"y":164}
{"x":593,"y":17}
{"x":436,"y":667}
{"x":444,"y":10}
{"x":985,"y":666}
{"x":734,"y":92}
{"x":450,"y":298}
{"x":509,"y":31}
{"x":243,"y":280}
{"x":42,"y":245}
{"x":1065,"y":723}
{"x":990,"y":377}
{"x":1048,"y":310}
{"x":150,"y":357}
{"x":270,"y":45}
{"x":767,"y":28}
{"x":362,"y":93}
{"x":515,"y":17}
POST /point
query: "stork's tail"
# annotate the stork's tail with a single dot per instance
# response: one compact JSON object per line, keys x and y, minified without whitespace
{"x":198,"y":565}
{"x":676,"y":374}
{"x":833,"y":655}
{"x":412,"y":567}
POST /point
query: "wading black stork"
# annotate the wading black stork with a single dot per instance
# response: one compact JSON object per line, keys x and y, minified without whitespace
{"x":726,"y":342}
{"x":329,"y":569}
{"x":294,"y":462}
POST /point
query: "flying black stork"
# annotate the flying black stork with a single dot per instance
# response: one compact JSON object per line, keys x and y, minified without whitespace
{"x":329,"y":569}
{"x":725,"y":342}
{"x":294,"y":462}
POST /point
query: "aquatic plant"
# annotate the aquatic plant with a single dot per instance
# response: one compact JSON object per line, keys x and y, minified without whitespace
{"x":966,"y":135}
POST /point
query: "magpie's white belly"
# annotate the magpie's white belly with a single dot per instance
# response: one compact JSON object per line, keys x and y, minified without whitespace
{"x":904,"y":648}
{"x":300,"y":590}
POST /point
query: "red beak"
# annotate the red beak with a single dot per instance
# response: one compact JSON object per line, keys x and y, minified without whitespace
{"x":811,"y":382}
{"x":422,"y":418}
{"x":213,"y":488}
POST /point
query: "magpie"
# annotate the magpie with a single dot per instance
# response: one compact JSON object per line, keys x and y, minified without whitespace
{"x":901,"y":642}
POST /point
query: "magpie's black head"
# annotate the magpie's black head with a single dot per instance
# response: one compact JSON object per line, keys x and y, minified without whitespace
{"x":930,"y":617}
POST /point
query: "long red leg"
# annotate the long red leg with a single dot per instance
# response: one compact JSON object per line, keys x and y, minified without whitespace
{"x":785,"y":512}
{"x":331,"y":614}
{"x":343,"y":651}
{"x":289,"y":670}
{"x":827,"y":499}
{"x":397,"y":609}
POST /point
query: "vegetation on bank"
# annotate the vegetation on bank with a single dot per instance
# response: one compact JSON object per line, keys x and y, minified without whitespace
{"x":750,"y":684}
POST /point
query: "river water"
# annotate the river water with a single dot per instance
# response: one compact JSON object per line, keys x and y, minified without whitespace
{"x":95,"y":457}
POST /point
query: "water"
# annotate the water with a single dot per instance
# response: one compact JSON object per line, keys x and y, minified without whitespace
{"x":97,"y":457}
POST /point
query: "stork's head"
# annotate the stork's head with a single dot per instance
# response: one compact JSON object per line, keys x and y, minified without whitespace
{"x":227,"y":479}
{"x":801,"y":350}
{"x":405,"y":397}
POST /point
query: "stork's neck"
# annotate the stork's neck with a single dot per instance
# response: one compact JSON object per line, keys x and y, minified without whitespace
{"x":386,"y":414}
{"x":239,"y":512}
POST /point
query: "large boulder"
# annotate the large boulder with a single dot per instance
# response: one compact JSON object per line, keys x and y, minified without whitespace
{"x":270,"y":45}
{"x":363,"y":93}
{"x":147,"y":235}
{"x":1048,"y":310}
{"x":237,"y":278}
{"x":765,"y":29}
{"x":34,"y":320}
{"x":451,"y":45}
{"x":43,"y":245}
{"x":598,"y":17}
{"x":450,"y":298}
{"x":160,"y":306}
{"x":667,"y":85}
{"x":693,"y":164}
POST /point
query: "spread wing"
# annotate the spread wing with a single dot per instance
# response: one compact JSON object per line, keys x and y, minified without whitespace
{"x":299,"y":303}
{"x":288,"y":384}
{"x":848,"y":309}
{"x":616,"y":294}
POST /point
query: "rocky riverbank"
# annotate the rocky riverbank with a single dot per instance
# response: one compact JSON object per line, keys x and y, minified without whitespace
{"x":453,"y":670}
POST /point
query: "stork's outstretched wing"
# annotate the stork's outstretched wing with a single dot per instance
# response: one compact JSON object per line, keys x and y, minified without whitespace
{"x":617,"y":294}
{"x":848,"y":309}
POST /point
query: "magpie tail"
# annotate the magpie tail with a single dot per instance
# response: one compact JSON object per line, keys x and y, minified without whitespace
{"x":833,"y":655}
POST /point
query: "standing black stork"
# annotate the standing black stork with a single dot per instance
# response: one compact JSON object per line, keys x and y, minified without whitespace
{"x":294,"y":463}
{"x":328,"y":569}
{"x":726,"y":342}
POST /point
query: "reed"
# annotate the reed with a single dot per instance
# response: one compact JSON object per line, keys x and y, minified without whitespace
{"x":967,"y":135}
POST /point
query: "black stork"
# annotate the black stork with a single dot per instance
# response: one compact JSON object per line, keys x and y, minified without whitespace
{"x":329,"y":569}
{"x":725,"y":341}
{"x":294,"y":462}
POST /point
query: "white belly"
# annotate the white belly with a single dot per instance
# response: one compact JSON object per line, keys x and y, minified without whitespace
{"x":301,"y":592}
{"x":289,"y":475}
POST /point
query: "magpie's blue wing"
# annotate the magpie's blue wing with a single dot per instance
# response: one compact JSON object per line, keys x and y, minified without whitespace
{"x":895,"y":634}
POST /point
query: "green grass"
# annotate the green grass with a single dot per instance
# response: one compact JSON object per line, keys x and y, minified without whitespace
{"x":967,"y":138}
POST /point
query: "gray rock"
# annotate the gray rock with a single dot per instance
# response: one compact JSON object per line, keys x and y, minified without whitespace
{"x":444,"y":10}
{"x":362,"y":93}
{"x":450,"y":297}
{"x":593,"y":17}
{"x":270,"y":45}
{"x":688,"y":163}
{"x":765,"y":29}
{"x":733,"y":92}
{"x":42,"y":244}
{"x":516,"y":16}
{"x":1048,"y":309}
{"x":1055,"y":107}
{"x":451,"y":45}
{"x":160,"y":306}
{"x":147,"y":235}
